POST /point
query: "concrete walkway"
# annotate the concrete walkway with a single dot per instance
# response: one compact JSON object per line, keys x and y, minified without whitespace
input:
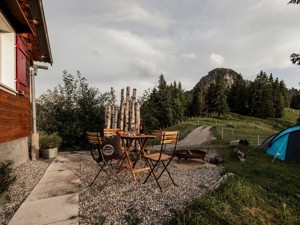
{"x":54,"y":200}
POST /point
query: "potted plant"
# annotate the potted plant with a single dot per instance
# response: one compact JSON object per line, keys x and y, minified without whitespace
{"x":49,"y":144}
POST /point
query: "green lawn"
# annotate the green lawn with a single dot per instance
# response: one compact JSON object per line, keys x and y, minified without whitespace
{"x":263,"y":190}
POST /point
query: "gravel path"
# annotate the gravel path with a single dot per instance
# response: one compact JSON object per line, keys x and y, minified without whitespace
{"x":197,"y":137}
{"x":112,"y":202}
{"x":28,"y":175}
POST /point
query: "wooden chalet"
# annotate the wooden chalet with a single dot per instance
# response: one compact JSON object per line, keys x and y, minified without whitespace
{"x":23,"y":41}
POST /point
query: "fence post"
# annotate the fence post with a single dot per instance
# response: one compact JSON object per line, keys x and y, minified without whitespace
{"x":258,"y":140}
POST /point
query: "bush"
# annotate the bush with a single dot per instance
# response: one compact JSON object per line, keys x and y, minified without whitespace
{"x":50,"y":141}
{"x":6,"y":176}
{"x":71,"y":109}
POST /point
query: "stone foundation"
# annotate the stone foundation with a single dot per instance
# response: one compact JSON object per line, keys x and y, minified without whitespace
{"x":16,"y":150}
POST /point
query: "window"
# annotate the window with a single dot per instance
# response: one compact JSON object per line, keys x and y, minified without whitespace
{"x":7,"y":56}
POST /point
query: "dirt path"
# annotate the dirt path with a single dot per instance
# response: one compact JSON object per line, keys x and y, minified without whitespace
{"x":197,"y":137}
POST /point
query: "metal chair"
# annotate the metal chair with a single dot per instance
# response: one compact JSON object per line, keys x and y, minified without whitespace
{"x":163,"y":157}
{"x":103,"y":152}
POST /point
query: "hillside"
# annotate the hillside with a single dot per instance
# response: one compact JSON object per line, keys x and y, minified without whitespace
{"x":229,"y":76}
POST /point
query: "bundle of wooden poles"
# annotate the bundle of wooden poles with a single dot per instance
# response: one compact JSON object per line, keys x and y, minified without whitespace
{"x":126,"y":116}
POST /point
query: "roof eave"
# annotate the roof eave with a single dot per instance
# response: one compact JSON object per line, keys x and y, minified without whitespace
{"x":38,"y":15}
{"x":14,"y":13}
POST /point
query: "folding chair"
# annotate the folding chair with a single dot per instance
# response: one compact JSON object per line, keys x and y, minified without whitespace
{"x":104,"y":151}
{"x":155,"y":143}
{"x":109,"y":132}
{"x":154,"y":160}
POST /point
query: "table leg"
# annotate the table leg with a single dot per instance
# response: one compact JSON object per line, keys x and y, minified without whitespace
{"x":127,"y":151}
{"x":142,"y":146}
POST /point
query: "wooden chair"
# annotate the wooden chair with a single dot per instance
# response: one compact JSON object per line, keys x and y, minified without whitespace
{"x":103,"y":152}
{"x":154,"y":146}
{"x":109,"y":132}
{"x":154,"y":160}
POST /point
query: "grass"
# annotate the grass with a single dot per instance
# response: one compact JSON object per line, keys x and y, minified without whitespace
{"x":263,"y":190}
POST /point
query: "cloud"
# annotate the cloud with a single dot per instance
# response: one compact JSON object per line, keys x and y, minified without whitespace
{"x":216,"y":60}
{"x":123,"y":43}
{"x":143,"y":69}
{"x":189,"y":56}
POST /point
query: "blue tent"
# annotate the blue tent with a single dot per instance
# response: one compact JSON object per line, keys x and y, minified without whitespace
{"x":284,"y":145}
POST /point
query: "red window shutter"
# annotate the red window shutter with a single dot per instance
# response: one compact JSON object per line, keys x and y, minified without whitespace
{"x":21,"y":65}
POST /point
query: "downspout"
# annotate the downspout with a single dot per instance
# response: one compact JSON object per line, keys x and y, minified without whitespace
{"x":35,"y":147}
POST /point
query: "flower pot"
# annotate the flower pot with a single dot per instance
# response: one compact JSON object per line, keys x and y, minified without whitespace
{"x":49,"y":153}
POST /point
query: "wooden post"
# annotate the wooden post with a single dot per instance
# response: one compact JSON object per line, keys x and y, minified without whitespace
{"x":116,"y":117}
{"x":113,"y":110}
{"x":127,"y":109}
{"x":108,"y":116}
{"x":138,"y":117}
{"x":132,"y":110}
{"x":122,"y":110}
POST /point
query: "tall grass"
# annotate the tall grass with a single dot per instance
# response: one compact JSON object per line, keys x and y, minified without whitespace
{"x":263,"y":190}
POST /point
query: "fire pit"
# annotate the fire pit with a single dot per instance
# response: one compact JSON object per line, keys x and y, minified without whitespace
{"x":190,"y":154}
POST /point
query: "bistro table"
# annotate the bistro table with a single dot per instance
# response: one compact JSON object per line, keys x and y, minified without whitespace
{"x":142,"y":140}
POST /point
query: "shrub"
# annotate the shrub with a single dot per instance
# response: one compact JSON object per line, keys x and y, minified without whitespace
{"x":50,"y":141}
{"x":6,"y":176}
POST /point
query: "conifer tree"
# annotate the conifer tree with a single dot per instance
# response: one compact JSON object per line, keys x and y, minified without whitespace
{"x":278,"y":99}
{"x":216,"y":97}
{"x":164,"y":104}
{"x":285,"y":93}
{"x":198,"y":104}
{"x":238,"y":97}
{"x":262,"y":96}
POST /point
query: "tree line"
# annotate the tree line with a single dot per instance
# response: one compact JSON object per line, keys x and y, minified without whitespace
{"x":72,"y":108}
{"x":163,"y":106}
{"x":264,"y":97}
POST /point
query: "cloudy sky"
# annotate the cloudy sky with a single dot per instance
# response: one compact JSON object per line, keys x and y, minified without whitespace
{"x":121,"y":43}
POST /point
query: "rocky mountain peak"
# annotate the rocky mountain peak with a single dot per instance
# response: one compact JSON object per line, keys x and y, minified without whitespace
{"x":229,"y":76}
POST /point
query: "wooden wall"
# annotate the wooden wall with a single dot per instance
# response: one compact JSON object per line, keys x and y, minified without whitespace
{"x":15,"y":118}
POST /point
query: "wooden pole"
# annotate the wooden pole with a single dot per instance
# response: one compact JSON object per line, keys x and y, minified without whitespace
{"x":108,"y":116}
{"x":132,"y":116}
{"x":116,"y":117}
{"x":127,"y":109}
{"x":138,"y":117}
{"x":122,"y":110}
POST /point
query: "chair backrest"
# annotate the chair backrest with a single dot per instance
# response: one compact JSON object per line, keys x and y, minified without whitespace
{"x":95,"y":142}
{"x":108,"y":132}
{"x":169,"y":137}
{"x":157,"y":139}
{"x":94,"y":138}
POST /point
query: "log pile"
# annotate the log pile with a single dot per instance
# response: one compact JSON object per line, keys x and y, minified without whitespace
{"x":126,"y":116}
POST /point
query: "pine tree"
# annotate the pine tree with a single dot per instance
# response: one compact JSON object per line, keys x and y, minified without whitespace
{"x":285,"y":93}
{"x":198,"y":104}
{"x":216,"y":97}
{"x":164,"y":104}
{"x":238,"y":97}
{"x":262,"y":96}
{"x":221,"y":97}
{"x":209,"y":98}
{"x":278,"y":99}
